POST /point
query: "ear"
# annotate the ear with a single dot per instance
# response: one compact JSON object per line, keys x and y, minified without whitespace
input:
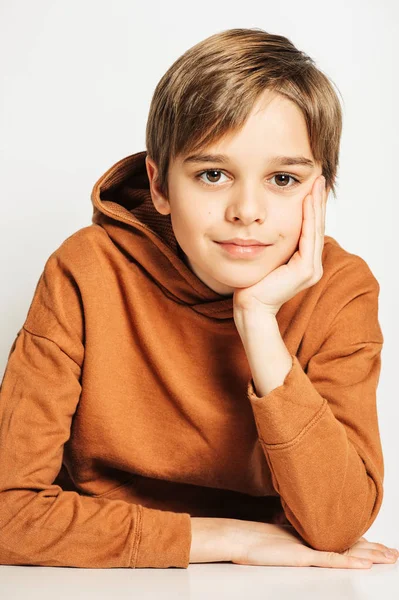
{"x":160,"y":202}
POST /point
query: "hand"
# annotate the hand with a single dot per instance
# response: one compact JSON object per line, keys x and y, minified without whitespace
{"x":280,"y":545}
{"x":305,"y":266}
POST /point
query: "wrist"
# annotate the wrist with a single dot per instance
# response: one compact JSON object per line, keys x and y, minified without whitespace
{"x":212,"y":540}
{"x":268,"y":357}
{"x":247,"y":321}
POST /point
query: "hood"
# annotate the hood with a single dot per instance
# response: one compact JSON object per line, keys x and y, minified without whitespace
{"x":122,"y":205}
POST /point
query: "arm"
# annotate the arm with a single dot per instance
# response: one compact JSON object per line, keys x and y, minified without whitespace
{"x":41,"y":524}
{"x":319,"y":428}
{"x":269,"y":362}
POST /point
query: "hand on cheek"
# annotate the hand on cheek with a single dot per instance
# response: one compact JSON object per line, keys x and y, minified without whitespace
{"x":302,"y":270}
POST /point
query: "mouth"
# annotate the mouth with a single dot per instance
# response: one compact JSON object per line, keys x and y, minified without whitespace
{"x":243,"y":242}
{"x":240,"y":251}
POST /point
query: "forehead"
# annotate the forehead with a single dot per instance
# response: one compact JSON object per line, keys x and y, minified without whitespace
{"x":275,"y":133}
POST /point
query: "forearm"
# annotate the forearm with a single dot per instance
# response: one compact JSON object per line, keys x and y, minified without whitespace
{"x":327,"y":492}
{"x":267,"y":354}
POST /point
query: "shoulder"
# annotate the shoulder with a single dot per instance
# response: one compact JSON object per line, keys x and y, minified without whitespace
{"x":79,"y":251}
{"x":347,"y":297}
{"x":82,"y":241}
{"x":344,"y":269}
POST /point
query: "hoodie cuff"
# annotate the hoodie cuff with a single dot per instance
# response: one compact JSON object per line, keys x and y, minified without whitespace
{"x":287,"y":411}
{"x":163,"y":539}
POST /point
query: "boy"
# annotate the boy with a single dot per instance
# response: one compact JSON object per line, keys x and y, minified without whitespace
{"x":169,"y":391}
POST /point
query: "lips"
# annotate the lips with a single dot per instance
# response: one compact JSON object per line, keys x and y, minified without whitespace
{"x":243,"y":243}
{"x":241,"y":251}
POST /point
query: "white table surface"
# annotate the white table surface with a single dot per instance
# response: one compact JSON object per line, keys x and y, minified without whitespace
{"x":200,"y":581}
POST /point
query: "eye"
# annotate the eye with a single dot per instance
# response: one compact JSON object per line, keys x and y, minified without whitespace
{"x":285,"y":176}
{"x":215,"y":173}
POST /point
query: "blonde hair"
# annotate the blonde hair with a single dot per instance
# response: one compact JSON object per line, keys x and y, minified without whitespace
{"x":211,"y":88}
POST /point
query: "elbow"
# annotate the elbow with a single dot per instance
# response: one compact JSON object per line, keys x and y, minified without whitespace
{"x":333,"y":543}
{"x":339,"y":530}
{"x":339,"y":538}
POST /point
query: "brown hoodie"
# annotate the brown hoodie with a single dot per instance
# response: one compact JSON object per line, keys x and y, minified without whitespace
{"x":127,"y":403}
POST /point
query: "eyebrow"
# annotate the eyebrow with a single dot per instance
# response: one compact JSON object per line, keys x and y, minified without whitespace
{"x":275,"y":160}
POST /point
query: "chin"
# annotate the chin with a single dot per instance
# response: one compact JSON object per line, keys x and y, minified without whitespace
{"x":243,"y":282}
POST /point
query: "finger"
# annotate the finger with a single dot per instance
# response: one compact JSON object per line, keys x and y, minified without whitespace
{"x":319,"y":225}
{"x":323,"y":213}
{"x":337,"y":561}
{"x":363,"y":543}
{"x":306,"y":240}
{"x":376,"y":556}
{"x":373,"y":546}
{"x":318,"y":196}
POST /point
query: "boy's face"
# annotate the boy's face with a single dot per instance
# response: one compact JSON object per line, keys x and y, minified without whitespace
{"x":247,"y":196}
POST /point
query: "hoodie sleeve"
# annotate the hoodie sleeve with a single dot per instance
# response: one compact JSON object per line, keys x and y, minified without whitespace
{"x":40,"y":523}
{"x":319,"y":430}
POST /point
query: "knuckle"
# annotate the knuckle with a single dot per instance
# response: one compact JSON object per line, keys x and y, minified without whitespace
{"x":304,"y":557}
{"x":339,"y":558}
{"x":315,"y":276}
{"x":240,"y":558}
{"x":330,"y":556}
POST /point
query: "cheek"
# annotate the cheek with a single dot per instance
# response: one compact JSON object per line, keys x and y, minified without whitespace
{"x":289,"y":231}
{"x":197,"y":219}
{"x":290,"y":224}
{"x":189,"y":224}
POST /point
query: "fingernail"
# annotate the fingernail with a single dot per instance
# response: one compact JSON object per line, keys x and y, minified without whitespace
{"x":322,"y":182}
{"x":389,"y":554}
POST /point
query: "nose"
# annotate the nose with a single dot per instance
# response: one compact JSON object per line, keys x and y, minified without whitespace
{"x":247,"y":203}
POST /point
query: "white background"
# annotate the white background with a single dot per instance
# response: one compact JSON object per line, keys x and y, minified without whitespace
{"x":77,"y":77}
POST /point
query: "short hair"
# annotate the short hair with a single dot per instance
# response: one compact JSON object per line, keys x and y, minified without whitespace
{"x":210,"y":90}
